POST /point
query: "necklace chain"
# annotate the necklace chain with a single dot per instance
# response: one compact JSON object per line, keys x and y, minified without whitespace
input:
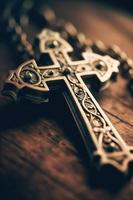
{"x":24,"y":48}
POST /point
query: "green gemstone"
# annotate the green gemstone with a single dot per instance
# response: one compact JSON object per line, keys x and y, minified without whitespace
{"x":29,"y":76}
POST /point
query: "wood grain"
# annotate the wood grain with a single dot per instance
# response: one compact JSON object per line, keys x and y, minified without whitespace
{"x":41,"y":153}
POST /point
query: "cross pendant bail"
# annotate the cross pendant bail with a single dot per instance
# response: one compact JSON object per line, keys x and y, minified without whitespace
{"x":103,"y":143}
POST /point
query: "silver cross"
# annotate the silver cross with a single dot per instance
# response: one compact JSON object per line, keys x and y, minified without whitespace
{"x":103,"y":143}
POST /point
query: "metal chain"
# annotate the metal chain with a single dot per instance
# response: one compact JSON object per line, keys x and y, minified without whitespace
{"x":67,"y":30}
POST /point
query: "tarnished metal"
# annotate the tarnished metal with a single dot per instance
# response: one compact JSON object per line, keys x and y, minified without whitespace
{"x":103,"y":143}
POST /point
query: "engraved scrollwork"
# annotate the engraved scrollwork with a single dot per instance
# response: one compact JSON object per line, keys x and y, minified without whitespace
{"x":108,"y":144}
{"x":105,"y":137}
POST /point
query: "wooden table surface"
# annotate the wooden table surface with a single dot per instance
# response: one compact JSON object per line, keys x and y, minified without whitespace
{"x":41,"y":153}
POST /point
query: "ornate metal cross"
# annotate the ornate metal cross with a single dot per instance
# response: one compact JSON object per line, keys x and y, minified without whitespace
{"x":103,"y":143}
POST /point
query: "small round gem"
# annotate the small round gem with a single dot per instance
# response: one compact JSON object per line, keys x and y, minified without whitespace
{"x":100,"y":65}
{"x":50,"y":73}
{"x":67,"y":70}
{"x":29,"y":76}
{"x":83,"y":68}
{"x":52,"y":44}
